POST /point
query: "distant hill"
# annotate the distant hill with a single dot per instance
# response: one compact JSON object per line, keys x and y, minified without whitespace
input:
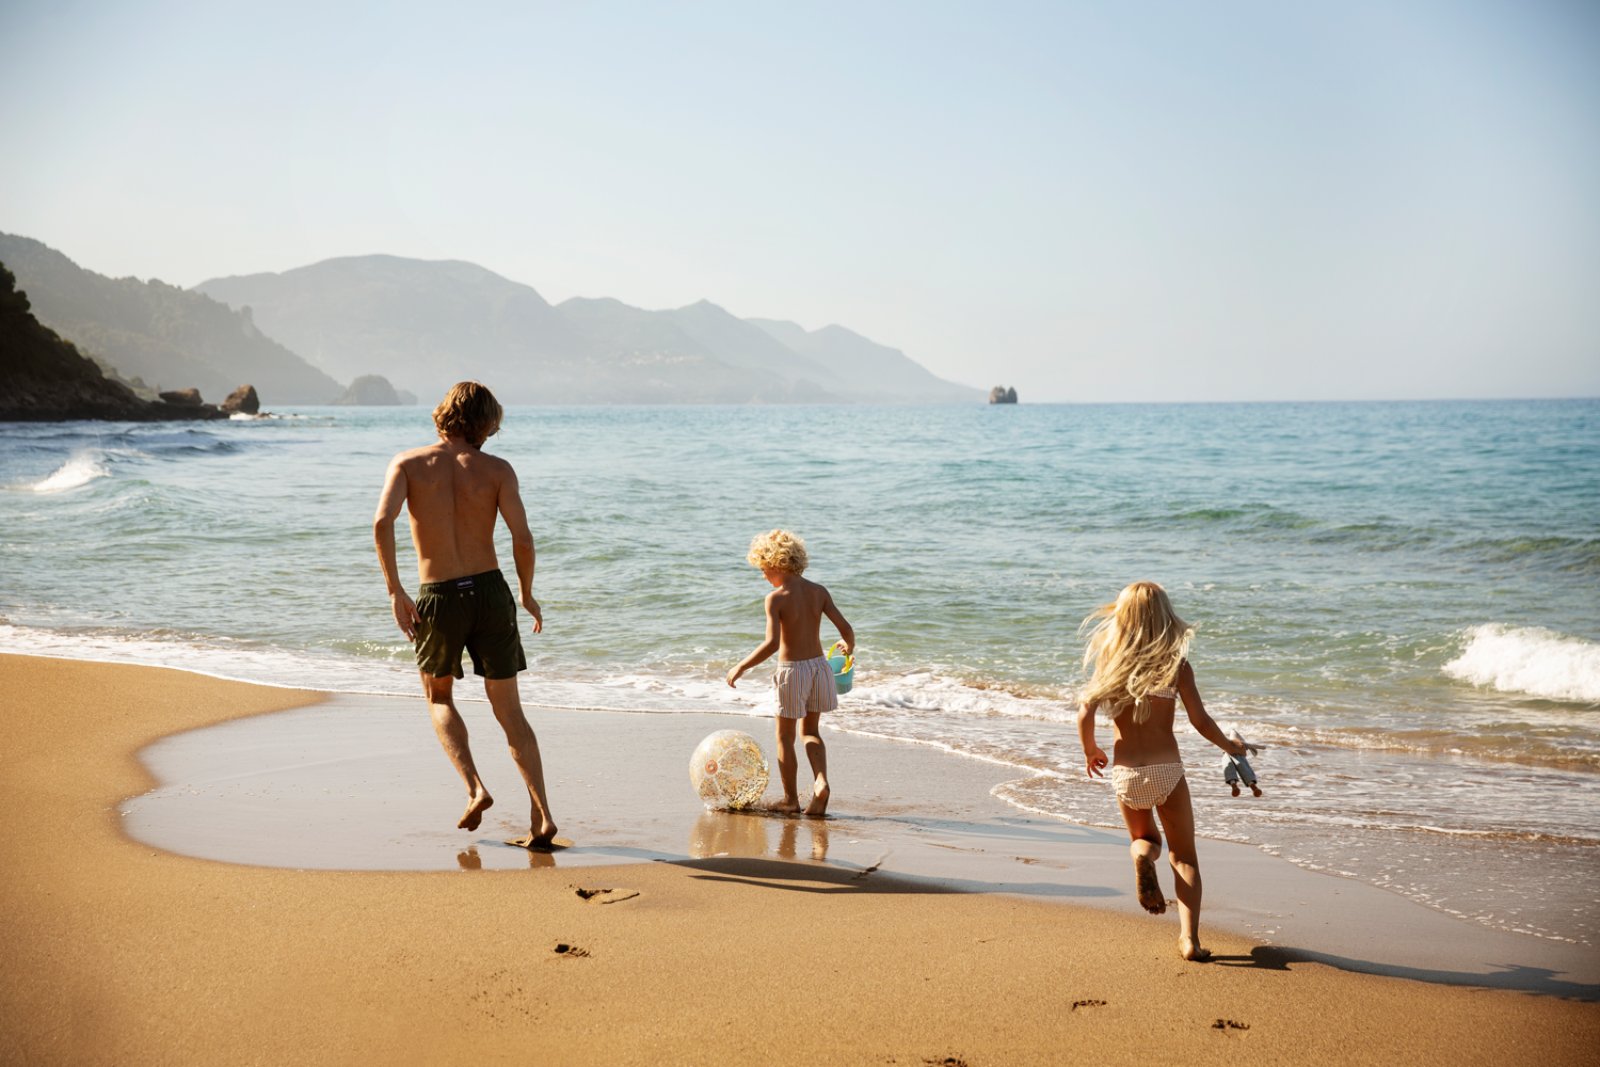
{"x":421,"y":324}
{"x":425,"y":324}
{"x":43,"y":378}
{"x":861,"y":369}
{"x":160,"y":335}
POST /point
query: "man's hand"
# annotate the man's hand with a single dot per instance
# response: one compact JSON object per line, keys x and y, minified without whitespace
{"x":405,"y":614}
{"x":1095,"y":761}
{"x":533,"y":609}
{"x":734,"y":674}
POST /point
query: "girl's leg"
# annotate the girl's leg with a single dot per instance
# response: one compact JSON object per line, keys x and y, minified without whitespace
{"x":1145,"y":847}
{"x":1177,"y":819}
{"x":786,"y":766}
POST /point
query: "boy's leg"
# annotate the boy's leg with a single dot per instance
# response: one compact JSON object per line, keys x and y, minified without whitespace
{"x":786,"y":766}
{"x":507,"y":704}
{"x":1177,"y":819}
{"x":452,"y":731}
{"x":817,"y":756}
{"x":1145,"y":848}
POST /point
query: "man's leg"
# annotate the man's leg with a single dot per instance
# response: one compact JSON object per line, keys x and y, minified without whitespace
{"x":452,"y":733}
{"x":507,"y":704}
{"x":817,"y":755}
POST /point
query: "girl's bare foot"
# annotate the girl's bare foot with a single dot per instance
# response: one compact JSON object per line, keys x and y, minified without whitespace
{"x":479,"y":803}
{"x":1148,"y":885}
{"x":1190,"y":949}
{"x":819,"y":799}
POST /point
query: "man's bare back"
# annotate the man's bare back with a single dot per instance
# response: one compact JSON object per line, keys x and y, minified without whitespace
{"x":452,"y":493}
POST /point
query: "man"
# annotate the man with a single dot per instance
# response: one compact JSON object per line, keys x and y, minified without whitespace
{"x":454,"y":491}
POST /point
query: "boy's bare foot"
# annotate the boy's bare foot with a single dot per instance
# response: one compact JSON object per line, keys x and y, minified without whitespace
{"x":480,"y":803}
{"x":1256,"y":789}
{"x":819,"y":799}
{"x":1235,"y":788}
{"x":1190,"y":949}
{"x":784,"y":807}
{"x":1148,"y":885}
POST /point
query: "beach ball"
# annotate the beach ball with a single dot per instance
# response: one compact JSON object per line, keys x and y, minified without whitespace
{"x":728,"y":770}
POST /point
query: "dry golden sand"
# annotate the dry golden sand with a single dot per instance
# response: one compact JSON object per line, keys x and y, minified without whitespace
{"x":115,"y":953}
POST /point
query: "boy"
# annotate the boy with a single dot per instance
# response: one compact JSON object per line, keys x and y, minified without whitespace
{"x":804,"y":680}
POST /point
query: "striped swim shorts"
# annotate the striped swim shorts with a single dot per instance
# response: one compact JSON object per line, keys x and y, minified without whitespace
{"x":804,"y":686}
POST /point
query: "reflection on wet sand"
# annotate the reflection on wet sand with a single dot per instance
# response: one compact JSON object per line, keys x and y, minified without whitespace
{"x":727,"y":833}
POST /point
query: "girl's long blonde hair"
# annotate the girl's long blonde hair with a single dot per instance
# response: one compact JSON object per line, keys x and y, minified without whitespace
{"x":1135,"y":645}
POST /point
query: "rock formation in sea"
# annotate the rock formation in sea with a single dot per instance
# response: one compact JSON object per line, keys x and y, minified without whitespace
{"x":46,"y":379}
{"x":1001,"y":394}
{"x":242,"y":400}
{"x":374,"y":390}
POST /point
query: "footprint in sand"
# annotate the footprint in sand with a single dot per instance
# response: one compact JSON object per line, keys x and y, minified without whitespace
{"x":570,"y":951}
{"x":948,"y":1061}
{"x":605,"y":896}
{"x":1076,"y":1004}
{"x":1229,"y":1024}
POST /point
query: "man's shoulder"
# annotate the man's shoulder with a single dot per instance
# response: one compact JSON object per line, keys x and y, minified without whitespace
{"x":411,"y":455}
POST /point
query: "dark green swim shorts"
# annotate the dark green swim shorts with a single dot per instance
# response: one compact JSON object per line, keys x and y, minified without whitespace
{"x":477,"y":613}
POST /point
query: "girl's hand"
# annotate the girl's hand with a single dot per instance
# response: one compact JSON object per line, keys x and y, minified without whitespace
{"x":1096,"y":762}
{"x":733,"y":676}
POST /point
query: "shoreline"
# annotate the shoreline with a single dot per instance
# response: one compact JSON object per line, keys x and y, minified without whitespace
{"x":123,"y":953}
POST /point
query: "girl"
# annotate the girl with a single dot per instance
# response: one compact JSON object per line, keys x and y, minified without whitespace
{"x":1137,"y":647}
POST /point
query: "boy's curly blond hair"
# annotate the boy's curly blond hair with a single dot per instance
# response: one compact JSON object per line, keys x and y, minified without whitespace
{"x":778,"y":550}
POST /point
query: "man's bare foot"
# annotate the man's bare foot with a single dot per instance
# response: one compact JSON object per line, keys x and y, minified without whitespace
{"x":1148,"y":885}
{"x":480,"y":803}
{"x":786,"y":806}
{"x":819,"y":799}
{"x":541,"y":840}
{"x":1190,"y":949}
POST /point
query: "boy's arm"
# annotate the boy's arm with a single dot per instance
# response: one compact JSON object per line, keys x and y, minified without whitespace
{"x":766,"y":648}
{"x":516,"y":519}
{"x":1094,"y":759}
{"x":1198,"y":717}
{"x":835,"y":616}
{"x":389,"y":504}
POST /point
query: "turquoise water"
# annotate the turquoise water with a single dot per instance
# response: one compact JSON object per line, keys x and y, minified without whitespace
{"x":1398,"y":600}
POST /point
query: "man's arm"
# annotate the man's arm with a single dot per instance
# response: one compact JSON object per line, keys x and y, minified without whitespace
{"x":763,"y":650}
{"x":389,"y":504}
{"x":522,"y":552}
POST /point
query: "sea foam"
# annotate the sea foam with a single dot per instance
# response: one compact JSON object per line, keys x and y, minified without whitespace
{"x":81,"y":469}
{"x":1529,"y":660}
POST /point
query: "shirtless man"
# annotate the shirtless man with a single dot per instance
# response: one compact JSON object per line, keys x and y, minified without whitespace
{"x":453,"y":491}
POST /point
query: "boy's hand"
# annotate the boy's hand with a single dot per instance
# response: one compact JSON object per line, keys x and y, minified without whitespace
{"x":532,"y":606}
{"x":1095,"y":762}
{"x":733,"y":676}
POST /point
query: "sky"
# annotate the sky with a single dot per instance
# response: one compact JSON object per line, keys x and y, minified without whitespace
{"x":1161,"y":201}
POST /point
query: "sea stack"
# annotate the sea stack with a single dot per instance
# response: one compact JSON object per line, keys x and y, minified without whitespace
{"x":1001,"y":394}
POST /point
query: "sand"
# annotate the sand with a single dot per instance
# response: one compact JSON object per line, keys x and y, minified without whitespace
{"x":118,"y":952}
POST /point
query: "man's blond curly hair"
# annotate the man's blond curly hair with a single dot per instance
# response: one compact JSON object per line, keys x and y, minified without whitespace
{"x":468,"y":410}
{"x":778,"y":550}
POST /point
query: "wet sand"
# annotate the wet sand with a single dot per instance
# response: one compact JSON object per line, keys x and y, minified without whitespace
{"x":121,"y":952}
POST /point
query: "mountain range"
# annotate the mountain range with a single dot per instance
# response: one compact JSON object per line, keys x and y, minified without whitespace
{"x":423,"y":324}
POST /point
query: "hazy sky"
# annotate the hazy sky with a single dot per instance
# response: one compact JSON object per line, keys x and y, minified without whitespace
{"x":1090,"y":201}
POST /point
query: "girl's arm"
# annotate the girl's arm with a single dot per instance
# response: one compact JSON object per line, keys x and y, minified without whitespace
{"x":1203,"y":723}
{"x":1094,"y":759}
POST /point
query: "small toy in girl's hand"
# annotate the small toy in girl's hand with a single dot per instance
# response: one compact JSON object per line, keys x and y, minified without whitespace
{"x":1236,"y":769}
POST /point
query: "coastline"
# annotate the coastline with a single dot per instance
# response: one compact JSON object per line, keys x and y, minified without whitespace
{"x":124,"y":953}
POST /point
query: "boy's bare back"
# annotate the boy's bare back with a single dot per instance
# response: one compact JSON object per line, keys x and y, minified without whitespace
{"x":798,"y":605}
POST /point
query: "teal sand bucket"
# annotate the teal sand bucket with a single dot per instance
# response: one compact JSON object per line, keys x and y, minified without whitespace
{"x":844,"y":667}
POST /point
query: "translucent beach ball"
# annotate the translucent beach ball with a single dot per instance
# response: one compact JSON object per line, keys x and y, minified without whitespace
{"x":728,"y":770}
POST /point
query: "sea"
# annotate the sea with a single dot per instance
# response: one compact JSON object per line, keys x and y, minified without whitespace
{"x":1398,"y":602}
